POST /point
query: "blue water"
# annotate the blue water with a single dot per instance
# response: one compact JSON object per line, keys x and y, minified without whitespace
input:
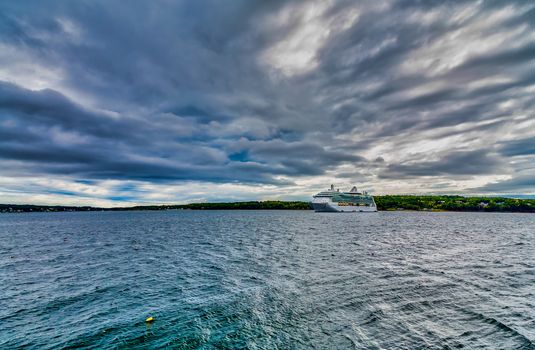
{"x":267,"y":280}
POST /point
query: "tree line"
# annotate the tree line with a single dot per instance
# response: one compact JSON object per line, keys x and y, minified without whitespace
{"x":389,"y":202}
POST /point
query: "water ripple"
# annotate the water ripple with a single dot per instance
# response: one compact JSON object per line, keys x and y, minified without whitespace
{"x":267,"y":280}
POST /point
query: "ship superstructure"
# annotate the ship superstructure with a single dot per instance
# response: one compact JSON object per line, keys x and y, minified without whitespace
{"x":335,"y":201}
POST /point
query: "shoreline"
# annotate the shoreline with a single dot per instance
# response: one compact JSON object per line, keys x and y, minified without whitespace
{"x":384,"y":203}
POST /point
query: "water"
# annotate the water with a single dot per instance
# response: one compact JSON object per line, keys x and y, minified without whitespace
{"x":267,"y":280}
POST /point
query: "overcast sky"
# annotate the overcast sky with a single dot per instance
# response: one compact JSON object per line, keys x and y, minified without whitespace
{"x":122,"y":102}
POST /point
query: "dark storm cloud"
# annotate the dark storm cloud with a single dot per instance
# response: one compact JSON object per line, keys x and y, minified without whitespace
{"x":456,"y":163}
{"x":50,"y":108}
{"x":499,"y":60}
{"x":309,"y":151}
{"x":94,"y":145}
{"x":520,"y":183}
{"x":522,"y":147}
{"x":378,"y":65}
{"x":239,"y":92}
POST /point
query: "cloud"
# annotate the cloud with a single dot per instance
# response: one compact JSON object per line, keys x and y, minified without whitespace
{"x":519,"y":147}
{"x":284,"y":94}
{"x":523,"y":182}
{"x":66,"y":138}
{"x":455,"y":163}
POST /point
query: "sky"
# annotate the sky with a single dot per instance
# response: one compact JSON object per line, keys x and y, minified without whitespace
{"x":113,"y":103}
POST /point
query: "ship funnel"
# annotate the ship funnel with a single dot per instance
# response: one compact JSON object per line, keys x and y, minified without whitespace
{"x":354,"y":190}
{"x":332,"y":187}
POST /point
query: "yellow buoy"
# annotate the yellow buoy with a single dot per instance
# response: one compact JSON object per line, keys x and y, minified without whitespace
{"x":149,"y":319}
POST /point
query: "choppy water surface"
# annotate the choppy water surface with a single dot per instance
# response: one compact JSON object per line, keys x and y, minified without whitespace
{"x":267,"y":280}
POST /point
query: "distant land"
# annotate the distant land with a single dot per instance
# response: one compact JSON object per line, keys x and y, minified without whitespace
{"x":389,"y":202}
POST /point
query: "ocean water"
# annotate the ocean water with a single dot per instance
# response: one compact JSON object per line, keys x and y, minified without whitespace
{"x":267,"y":280}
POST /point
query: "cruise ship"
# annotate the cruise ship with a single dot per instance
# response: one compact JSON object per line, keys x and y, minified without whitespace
{"x":335,"y":201}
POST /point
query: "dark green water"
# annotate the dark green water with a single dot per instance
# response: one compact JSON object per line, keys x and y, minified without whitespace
{"x":267,"y":280}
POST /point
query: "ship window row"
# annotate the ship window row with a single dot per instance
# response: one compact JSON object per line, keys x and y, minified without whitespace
{"x":358,"y":200}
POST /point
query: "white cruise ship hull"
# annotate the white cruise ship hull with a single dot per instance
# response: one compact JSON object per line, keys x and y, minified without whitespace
{"x":335,"y":208}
